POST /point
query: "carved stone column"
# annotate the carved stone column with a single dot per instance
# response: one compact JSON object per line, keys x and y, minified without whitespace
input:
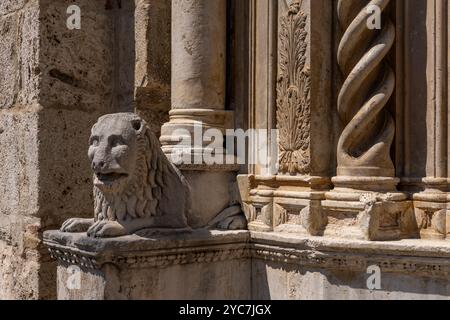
{"x":369,"y":82}
{"x":198,"y":69}
{"x":365,"y":183}
{"x":198,"y":103}
{"x":431,"y":205}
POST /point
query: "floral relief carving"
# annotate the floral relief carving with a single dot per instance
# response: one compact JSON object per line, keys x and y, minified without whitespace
{"x":293,"y":93}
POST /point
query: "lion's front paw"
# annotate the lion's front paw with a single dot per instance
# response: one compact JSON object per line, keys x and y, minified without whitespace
{"x":233,"y":223}
{"x":76,"y":225}
{"x":106,"y":229}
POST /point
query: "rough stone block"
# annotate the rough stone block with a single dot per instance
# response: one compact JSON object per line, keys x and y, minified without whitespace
{"x":201,"y":265}
{"x":10,"y":6}
{"x":8,"y":58}
{"x":21,"y":254}
{"x":77,"y":65}
{"x":19,"y":172}
{"x":19,"y":55}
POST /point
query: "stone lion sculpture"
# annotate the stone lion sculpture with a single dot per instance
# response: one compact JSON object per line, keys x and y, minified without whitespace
{"x":135,"y":186}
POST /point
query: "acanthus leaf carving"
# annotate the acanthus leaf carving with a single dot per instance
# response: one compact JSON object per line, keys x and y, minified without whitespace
{"x":293,"y":93}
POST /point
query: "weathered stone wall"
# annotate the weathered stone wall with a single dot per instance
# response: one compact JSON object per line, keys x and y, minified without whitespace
{"x":19,"y":177}
{"x":54,"y":84}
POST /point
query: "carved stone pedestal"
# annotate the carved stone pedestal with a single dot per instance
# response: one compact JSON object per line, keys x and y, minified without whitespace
{"x":247,"y":265}
{"x":431,"y":209}
{"x":369,"y":216}
{"x":368,"y":208}
{"x":215,"y":192}
{"x":287,"y":266}
{"x":284,"y":204}
{"x":199,"y":265}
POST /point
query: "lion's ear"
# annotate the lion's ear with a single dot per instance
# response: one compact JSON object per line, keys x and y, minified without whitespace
{"x":138,"y":125}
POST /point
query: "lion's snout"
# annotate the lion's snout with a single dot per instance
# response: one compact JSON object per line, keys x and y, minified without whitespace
{"x":103,"y":162}
{"x":98,"y":166}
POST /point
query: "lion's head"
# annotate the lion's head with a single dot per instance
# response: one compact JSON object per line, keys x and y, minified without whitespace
{"x":128,"y":168}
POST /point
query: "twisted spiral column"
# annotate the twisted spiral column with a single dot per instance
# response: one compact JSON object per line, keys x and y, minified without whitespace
{"x":369,"y":129}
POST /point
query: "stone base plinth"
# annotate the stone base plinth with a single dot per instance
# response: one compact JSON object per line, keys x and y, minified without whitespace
{"x":286,"y":266}
{"x":356,"y":214}
{"x":248,"y":265}
{"x":199,"y":265}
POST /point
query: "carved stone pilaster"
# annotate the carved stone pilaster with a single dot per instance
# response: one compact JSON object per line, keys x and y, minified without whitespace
{"x":432,"y":203}
{"x":304,"y":88}
{"x":293,"y":91}
{"x":289,"y":201}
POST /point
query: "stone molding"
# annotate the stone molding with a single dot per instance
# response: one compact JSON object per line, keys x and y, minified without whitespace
{"x":161,"y":250}
{"x":164,"y":259}
{"x":419,"y":258}
{"x":352,"y":262}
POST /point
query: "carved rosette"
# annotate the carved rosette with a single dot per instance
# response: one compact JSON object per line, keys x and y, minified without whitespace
{"x":365,"y":144}
{"x":293,"y":94}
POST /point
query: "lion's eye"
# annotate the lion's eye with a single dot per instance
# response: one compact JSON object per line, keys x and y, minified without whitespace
{"x":116,"y":141}
{"x":94,"y":141}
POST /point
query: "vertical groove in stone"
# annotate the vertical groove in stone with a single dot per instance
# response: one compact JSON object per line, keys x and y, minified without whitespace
{"x":441,"y":89}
